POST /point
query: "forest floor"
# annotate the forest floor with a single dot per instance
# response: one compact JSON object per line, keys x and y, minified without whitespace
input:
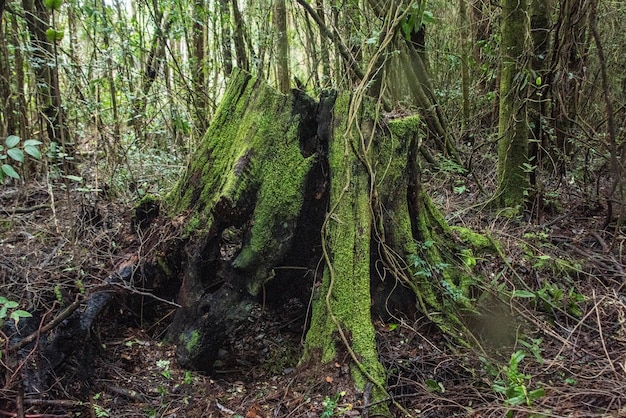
{"x":555,"y":348}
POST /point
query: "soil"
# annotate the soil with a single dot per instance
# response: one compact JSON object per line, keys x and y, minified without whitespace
{"x":569,"y":320}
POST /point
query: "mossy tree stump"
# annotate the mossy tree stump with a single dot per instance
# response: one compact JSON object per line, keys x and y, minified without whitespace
{"x":287,"y":181}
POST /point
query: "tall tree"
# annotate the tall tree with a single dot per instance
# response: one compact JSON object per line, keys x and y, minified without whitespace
{"x":513,"y":181}
{"x":540,"y":26}
{"x":45,"y":66}
{"x":226,"y":37}
{"x":568,"y":65}
{"x":282,"y":45}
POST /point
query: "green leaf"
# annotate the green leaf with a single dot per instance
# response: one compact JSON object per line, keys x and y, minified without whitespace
{"x":53,"y":4}
{"x":524,"y":294}
{"x":74,"y":178}
{"x":428,"y":17}
{"x":10,"y":304}
{"x":17,"y":154}
{"x":12,"y":140}
{"x":517,"y":400}
{"x":536,"y":394}
{"x":53,"y":35}
{"x":32,"y":142}
{"x":516,"y":359}
{"x":434,"y":386}
{"x":33,"y":151}
{"x":16,"y":315}
{"x":10,"y":171}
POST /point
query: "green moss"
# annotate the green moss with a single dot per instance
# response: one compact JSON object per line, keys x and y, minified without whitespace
{"x":193,"y":224}
{"x":474,"y":239}
{"x":250,"y":157}
{"x":405,"y":127}
{"x":346,"y":311}
{"x":190,"y":341}
{"x":162,"y":263}
{"x":513,"y":180}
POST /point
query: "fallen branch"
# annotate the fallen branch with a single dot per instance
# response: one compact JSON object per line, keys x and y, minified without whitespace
{"x":52,"y":324}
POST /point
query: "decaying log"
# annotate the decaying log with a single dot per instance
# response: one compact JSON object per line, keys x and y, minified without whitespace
{"x":38,"y":349}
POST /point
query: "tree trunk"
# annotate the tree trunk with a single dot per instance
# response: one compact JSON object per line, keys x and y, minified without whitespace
{"x":513,"y":125}
{"x":46,"y":72}
{"x":540,"y":12}
{"x":283,"y":180}
{"x":282,"y":45}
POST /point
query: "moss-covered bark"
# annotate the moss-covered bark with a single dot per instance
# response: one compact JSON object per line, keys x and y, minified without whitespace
{"x":513,"y":132}
{"x":341,"y":315}
{"x":242,"y":197}
{"x":378,"y":208}
{"x":249,"y":162}
{"x":276,"y":170}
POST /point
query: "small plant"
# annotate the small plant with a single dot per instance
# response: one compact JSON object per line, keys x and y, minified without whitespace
{"x":423,"y":268}
{"x":7,"y":306}
{"x":331,"y":405}
{"x":514,"y":385}
{"x":164,"y":365}
{"x":552,"y":296}
{"x":11,"y":149}
{"x":99,"y":411}
{"x":434,"y":386}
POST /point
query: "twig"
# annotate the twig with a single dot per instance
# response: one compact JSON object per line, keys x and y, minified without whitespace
{"x":24,"y":210}
{"x":53,"y":402}
{"x":223,"y":409}
{"x":56,"y":321}
{"x":606,"y":352}
{"x":128,"y":393}
{"x":143,"y":293}
{"x":13,"y":414}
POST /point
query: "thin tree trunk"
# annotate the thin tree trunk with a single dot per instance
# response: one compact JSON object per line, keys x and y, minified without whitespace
{"x":465,"y":45}
{"x":513,"y":123}
{"x":238,"y":37}
{"x":540,"y":12}
{"x":282,"y":44}
{"x":227,"y":52}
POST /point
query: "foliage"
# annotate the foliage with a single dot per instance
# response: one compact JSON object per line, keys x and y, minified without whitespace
{"x":552,"y":296}
{"x":17,"y":154}
{"x":512,"y":383}
{"x":7,"y":308}
{"x":331,"y":406}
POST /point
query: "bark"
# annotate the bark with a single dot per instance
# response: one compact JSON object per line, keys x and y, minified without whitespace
{"x":238,"y":35}
{"x":568,"y":73}
{"x":226,"y":41}
{"x":540,"y":13}
{"x":198,"y":49}
{"x":46,"y":71}
{"x":7,"y":123}
{"x":513,"y":125}
{"x":282,"y":45}
{"x":246,"y":190}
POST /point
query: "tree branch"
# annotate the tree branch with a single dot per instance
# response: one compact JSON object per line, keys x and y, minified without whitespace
{"x":335,"y":38}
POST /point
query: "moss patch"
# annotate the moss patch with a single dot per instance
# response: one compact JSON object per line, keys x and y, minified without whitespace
{"x":249,"y":167}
